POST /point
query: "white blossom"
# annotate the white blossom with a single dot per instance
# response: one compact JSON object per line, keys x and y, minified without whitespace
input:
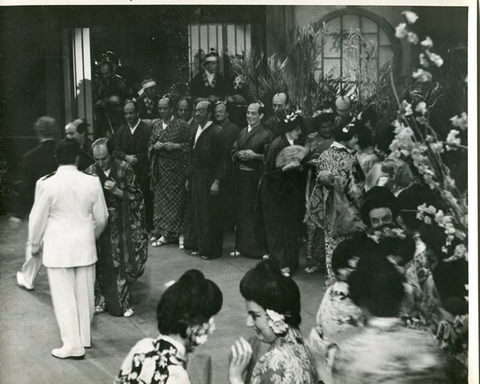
{"x":401,"y":31}
{"x":421,"y":108}
{"x":434,"y":58}
{"x":422,"y":75}
{"x":452,"y":139}
{"x":437,"y":147}
{"x":427,"y":43}
{"x":412,"y":38}
{"x":410,"y":16}
{"x":460,"y":121}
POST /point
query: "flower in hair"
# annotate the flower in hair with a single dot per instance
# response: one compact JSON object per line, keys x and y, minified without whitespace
{"x":292,"y":116}
{"x":201,"y":332}
{"x":276,"y":321}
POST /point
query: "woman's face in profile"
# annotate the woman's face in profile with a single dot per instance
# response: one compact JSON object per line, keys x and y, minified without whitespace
{"x":257,"y":319}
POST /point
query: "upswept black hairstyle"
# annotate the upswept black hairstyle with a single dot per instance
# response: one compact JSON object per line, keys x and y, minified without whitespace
{"x":450,"y":279}
{"x":365,"y":136}
{"x":192,"y":300}
{"x":345,"y":133}
{"x":377,"y":286}
{"x":378,"y":197}
{"x":384,"y":137}
{"x":172,"y":100}
{"x":322,"y":118}
{"x":266,"y":286}
{"x":290,"y":124}
{"x":341,"y":255}
{"x":67,"y":151}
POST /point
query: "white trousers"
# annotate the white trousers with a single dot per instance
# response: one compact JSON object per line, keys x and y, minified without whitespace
{"x":32,"y":266}
{"x":73,"y":302}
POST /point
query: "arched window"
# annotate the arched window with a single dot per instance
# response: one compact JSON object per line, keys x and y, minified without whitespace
{"x":359,"y":44}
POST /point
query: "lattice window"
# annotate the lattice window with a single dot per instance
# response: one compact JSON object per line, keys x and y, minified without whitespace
{"x":223,"y":38}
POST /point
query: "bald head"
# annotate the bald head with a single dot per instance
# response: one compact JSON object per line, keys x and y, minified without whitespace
{"x":279,"y":104}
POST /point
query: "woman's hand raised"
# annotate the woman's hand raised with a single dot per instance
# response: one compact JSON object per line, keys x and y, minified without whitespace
{"x":240,"y":356}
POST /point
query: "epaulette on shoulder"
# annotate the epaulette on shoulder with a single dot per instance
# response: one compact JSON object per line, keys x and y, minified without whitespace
{"x":49,"y":175}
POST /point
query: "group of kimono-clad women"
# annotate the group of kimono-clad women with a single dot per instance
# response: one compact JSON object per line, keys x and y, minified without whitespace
{"x":395,"y":308}
{"x":361,"y":335}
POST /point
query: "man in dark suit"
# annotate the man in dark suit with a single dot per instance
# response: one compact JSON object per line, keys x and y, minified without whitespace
{"x":78,"y":130}
{"x":39,"y":162}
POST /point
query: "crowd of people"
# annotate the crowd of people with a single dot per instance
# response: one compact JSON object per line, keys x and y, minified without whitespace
{"x":179,"y":171}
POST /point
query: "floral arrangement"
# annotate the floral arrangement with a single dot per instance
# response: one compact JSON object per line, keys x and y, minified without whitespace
{"x":418,"y":143}
{"x":276,"y":321}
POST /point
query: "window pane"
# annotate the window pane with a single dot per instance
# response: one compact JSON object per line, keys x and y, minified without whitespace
{"x":329,"y":49}
{"x":204,"y":38}
{"x":231,"y":39}
{"x":386,"y":54}
{"x":371,"y":45}
{"x":334,"y":24}
{"x":351,"y":22}
{"x":248,"y":36}
{"x":220,"y":39}
{"x":212,"y":38}
{"x":368,"y":26}
{"x":332,"y":66}
{"x":350,"y":63}
{"x":384,"y":38}
{"x":240,"y":29}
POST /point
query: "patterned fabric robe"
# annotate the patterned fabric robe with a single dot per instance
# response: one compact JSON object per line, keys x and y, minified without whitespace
{"x":288,"y":361}
{"x":315,"y":247}
{"x":343,"y":166}
{"x":248,"y":242}
{"x":154,"y":361}
{"x":168,"y":176}
{"x":123,"y":246}
{"x":386,"y":352}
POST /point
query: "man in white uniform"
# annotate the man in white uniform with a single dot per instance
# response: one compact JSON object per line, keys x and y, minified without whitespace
{"x":68,"y":215}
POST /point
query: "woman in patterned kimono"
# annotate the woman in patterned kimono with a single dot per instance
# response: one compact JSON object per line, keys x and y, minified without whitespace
{"x":384,"y":351}
{"x":273,"y":305}
{"x":335,"y":200}
{"x":123,"y":246}
{"x":248,"y":153}
{"x":317,"y":143}
{"x":168,"y":161}
{"x":282,"y":192}
{"x":185,"y":320}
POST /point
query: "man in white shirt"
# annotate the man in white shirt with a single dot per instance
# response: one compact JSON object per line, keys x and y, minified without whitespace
{"x":68,"y":215}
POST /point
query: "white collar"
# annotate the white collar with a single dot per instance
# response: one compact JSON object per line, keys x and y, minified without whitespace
{"x":210,"y":122}
{"x":181,"y":350}
{"x":200,"y":131}
{"x":166,"y":125}
{"x":291,"y":141}
{"x":336,"y":144}
{"x":132,"y":129}
{"x":67,"y":168}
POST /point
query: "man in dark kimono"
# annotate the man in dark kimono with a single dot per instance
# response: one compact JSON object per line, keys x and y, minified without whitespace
{"x":131,"y":145}
{"x":208,"y":83}
{"x":280,"y":105}
{"x":248,"y":153}
{"x":148,"y":99}
{"x":123,"y":246}
{"x":78,"y":130}
{"x":110,"y":90}
{"x":168,"y":150}
{"x":206,"y":172}
{"x":231,"y":132}
{"x":39,"y":162}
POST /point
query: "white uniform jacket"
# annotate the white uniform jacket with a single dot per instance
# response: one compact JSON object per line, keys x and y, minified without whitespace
{"x":68,"y":215}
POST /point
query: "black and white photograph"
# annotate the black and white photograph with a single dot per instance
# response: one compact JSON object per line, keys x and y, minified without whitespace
{"x":240,"y":193}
